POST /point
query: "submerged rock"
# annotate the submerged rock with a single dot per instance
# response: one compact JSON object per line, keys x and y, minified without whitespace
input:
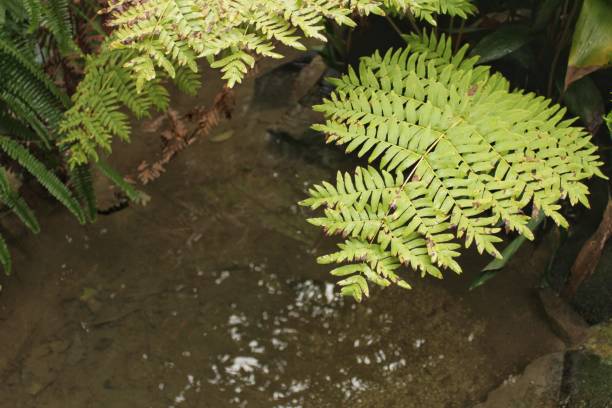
{"x":587,"y":382}
{"x":564,"y":320}
{"x":537,"y":387}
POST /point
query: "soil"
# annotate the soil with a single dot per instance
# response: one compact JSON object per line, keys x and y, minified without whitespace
{"x":210,"y":295}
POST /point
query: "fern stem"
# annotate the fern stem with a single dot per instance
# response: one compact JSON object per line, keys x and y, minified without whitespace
{"x":394,"y":26}
{"x":413,"y":22}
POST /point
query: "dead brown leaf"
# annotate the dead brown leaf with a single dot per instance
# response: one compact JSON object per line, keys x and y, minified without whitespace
{"x":177,"y":136}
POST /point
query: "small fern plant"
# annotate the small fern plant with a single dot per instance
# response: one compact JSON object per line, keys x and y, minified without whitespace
{"x":455,"y":154}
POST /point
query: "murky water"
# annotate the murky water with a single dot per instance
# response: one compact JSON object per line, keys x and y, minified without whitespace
{"x":210,"y":296}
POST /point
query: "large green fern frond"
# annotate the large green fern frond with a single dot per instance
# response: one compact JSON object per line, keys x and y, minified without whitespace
{"x":173,"y":33}
{"x":158,"y":38}
{"x":461,"y":156}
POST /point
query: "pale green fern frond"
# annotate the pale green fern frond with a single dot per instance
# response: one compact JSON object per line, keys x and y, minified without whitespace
{"x":461,"y":155}
{"x":159,"y":38}
{"x":168,"y":34}
{"x":95,"y":116}
{"x":428,"y":9}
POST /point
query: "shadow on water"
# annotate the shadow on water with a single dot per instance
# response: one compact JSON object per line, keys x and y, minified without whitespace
{"x":210,"y":296}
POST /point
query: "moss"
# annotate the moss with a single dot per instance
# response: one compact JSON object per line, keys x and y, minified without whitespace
{"x":599,"y":341}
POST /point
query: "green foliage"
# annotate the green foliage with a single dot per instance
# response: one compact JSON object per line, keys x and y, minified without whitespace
{"x":17,"y":204}
{"x":119,"y":181}
{"x":81,"y":181}
{"x":428,"y":9}
{"x":50,"y":16}
{"x":460,"y":157}
{"x":31,"y":105}
{"x":5,"y":256}
{"x":44,"y":176}
{"x":170,"y":36}
{"x":28,"y":93}
{"x":95,"y":116}
{"x":175,"y":33}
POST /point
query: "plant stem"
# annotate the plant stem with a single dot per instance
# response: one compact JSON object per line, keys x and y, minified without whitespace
{"x":457,"y":41}
{"x":394,"y":26}
{"x":413,"y":22}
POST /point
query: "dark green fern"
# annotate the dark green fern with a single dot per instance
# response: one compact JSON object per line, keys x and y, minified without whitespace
{"x":17,"y":204}
{"x":44,"y":176}
{"x":82,"y":184}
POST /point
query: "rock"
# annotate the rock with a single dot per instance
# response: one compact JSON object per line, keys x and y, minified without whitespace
{"x":308,"y":78}
{"x":599,"y":341}
{"x":587,"y":381}
{"x":568,"y":324}
{"x":288,"y":83}
{"x":537,"y":387}
{"x":592,"y":300}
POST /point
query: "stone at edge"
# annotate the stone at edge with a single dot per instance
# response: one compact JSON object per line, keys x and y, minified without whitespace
{"x":566,"y":322}
{"x":538,"y":387}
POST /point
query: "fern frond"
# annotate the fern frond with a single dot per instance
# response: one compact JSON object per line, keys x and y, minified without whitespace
{"x":428,"y":9}
{"x":129,"y":190}
{"x":82,"y":184}
{"x":187,"y":81}
{"x":44,"y":176}
{"x":368,"y":260}
{"x":159,"y":38}
{"x":17,"y":204}
{"x":56,"y":18}
{"x":95,"y":117}
{"x":460,"y":153}
{"x":28,"y":92}
{"x":173,"y":33}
